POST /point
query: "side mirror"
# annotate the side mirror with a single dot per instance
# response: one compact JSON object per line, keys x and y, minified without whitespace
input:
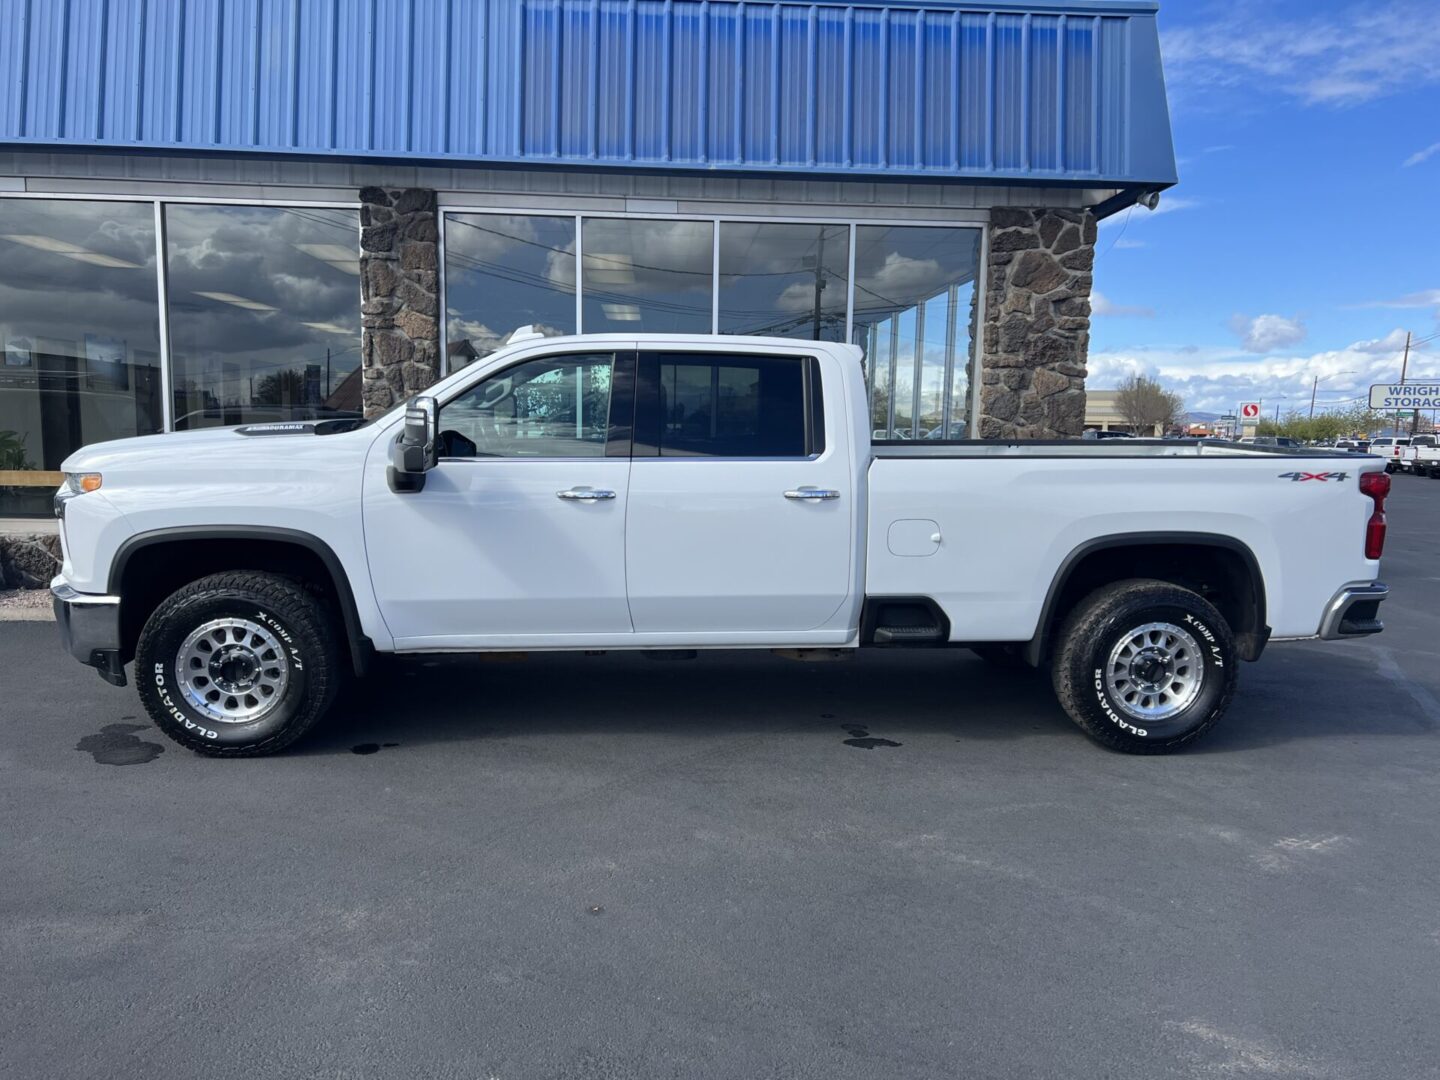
{"x":415,"y":452}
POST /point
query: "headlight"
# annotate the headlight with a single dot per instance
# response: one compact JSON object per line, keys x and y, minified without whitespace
{"x":81,"y":482}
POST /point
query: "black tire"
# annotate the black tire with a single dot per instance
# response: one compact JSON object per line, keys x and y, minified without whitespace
{"x":297,"y":621}
{"x":1097,"y":627}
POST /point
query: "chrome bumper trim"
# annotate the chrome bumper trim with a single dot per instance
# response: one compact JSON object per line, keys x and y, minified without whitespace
{"x":1341,"y":620}
{"x":89,"y":626}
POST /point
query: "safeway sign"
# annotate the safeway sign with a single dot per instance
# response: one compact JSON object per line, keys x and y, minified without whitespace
{"x":1387,"y":396}
{"x":1250,"y":410}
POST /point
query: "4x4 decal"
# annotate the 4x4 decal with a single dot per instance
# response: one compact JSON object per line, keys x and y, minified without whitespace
{"x":1314,"y":476}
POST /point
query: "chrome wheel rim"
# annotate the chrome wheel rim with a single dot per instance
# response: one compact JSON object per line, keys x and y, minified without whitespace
{"x":232,"y":670}
{"x":1155,"y":671}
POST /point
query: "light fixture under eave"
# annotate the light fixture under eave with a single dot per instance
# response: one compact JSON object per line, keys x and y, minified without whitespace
{"x":70,"y":251}
{"x":337,"y":255}
{"x":621,"y":312}
{"x":330,"y":328}
{"x":609,"y":268}
{"x":238,"y":301}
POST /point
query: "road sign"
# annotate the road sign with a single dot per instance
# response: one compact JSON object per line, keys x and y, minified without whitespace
{"x":1388,"y":396}
{"x":1250,"y":410}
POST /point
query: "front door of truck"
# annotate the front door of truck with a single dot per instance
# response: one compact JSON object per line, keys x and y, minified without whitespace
{"x":742,"y":510}
{"x":518,"y":536}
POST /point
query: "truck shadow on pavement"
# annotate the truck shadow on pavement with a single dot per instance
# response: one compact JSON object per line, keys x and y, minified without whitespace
{"x":869,"y":701}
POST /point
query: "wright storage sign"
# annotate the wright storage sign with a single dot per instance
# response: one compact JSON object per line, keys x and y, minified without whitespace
{"x":1387,"y":396}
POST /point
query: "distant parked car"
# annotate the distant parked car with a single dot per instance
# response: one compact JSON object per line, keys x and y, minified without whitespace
{"x":1107,"y":435}
{"x":1270,"y":440}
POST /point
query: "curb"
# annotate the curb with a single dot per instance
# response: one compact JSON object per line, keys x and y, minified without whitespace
{"x":26,"y":615}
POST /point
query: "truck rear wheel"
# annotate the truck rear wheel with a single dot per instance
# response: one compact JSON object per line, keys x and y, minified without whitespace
{"x":238,"y":664}
{"x":1145,"y":667}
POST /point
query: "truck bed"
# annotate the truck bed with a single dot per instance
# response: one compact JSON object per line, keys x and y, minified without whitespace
{"x":985,"y":528}
{"x":1104,"y":448}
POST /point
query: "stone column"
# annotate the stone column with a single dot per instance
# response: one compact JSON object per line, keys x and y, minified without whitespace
{"x":1036,"y":324}
{"x":399,"y":286}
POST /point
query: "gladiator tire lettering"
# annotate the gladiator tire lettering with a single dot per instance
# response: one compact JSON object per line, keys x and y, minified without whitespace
{"x":1105,"y":705}
{"x":170,"y":705}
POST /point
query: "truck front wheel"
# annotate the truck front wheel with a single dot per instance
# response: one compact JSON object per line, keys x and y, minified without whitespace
{"x":238,"y":664}
{"x":1145,"y":667}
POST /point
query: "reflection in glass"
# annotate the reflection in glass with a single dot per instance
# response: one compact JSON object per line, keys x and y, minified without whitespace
{"x":731,"y":406}
{"x":558,"y":406}
{"x":79,"y":335}
{"x":264,"y":313}
{"x":914,"y":293}
{"x":503,"y":272}
{"x":783,"y":280}
{"x":643,"y":276}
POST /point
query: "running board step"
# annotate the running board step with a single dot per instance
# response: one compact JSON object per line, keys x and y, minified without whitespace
{"x":895,"y":635}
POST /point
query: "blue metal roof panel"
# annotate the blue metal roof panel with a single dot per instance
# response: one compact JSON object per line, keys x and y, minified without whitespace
{"x":1048,"y":91}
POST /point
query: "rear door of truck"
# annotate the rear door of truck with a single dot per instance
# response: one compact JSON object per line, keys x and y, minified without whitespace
{"x":743,"y":518}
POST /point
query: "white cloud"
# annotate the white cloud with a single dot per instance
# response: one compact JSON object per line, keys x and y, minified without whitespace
{"x":1344,"y":57}
{"x":1102,"y":305}
{"x":901,"y":275}
{"x":1265,"y":333}
{"x":1421,"y":155}
{"x":1390,"y":343}
{"x":1124,"y":243}
{"x":1215,"y":379}
{"x":1422,"y":299}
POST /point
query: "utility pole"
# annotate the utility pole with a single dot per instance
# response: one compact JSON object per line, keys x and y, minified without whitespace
{"x":1404,"y":366}
{"x":820,"y":281}
{"x":1313,"y":387}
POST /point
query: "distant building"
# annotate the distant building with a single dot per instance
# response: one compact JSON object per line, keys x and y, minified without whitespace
{"x":1102,"y":413}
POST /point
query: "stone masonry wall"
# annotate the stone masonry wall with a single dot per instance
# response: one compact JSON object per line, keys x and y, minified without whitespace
{"x":28,"y":561}
{"x":1036,"y":324}
{"x":399,"y":289}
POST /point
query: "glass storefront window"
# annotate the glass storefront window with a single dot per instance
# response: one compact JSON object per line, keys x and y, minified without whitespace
{"x":503,"y":272}
{"x":914,"y":291}
{"x":784,"y":280}
{"x":264,"y":313}
{"x":647,"y":276}
{"x":79,"y":330}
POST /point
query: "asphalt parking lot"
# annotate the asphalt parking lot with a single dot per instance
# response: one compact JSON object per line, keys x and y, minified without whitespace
{"x":606,"y":867}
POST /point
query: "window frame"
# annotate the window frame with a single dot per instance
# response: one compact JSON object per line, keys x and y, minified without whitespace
{"x":162,"y":274}
{"x":619,"y":426}
{"x":796,"y":215}
{"x":647,"y":420}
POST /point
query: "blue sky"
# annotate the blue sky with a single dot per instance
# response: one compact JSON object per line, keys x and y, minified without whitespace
{"x":1304,"y":236}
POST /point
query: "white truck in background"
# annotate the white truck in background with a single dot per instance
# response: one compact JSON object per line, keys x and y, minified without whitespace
{"x":1420,"y":456}
{"x":672,"y":492}
{"x":1390,"y":449}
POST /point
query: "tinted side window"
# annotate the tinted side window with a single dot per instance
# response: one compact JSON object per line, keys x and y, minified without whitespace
{"x":557,"y":406}
{"x":717,"y":405}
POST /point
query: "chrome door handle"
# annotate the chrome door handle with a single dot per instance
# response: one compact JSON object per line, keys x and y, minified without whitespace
{"x":584,"y":494}
{"x":812,"y":493}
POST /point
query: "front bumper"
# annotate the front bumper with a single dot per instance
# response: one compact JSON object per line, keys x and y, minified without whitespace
{"x":1354,"y":611}
{"x":90,"y":629}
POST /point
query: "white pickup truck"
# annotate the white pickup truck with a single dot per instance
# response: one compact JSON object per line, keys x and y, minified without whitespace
{"x":1421,"y":456}
{"x":695,"y":492}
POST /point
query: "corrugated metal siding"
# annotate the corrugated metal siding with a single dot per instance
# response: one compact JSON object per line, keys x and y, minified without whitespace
{"x":1010,"y":91}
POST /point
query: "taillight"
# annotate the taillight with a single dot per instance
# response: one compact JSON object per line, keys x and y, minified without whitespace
{"x":1377,"y":486}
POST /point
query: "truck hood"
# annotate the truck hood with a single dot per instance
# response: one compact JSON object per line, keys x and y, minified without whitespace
{"x":218,"y":446}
